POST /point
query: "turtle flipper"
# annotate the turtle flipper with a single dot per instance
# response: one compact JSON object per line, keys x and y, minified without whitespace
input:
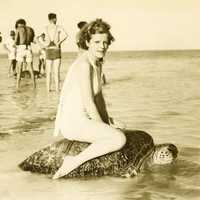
{"x":129,"y":171}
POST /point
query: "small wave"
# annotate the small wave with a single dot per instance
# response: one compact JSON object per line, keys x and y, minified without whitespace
{"x":4,"y":134}
{"x":119,"y":80}
{"x":170,"y":113}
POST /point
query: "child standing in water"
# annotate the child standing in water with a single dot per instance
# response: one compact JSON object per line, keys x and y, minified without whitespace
{"x":82,"y":113}
{"x":42,"y":54}
{"x":10,"y":46}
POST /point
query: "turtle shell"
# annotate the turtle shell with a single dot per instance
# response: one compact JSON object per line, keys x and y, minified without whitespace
{"x":138,"y":147}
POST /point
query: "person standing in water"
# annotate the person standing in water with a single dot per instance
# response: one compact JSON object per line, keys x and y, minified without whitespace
{"x":82,"y":113}
{"x":24,"y":38}
{"x":80,"y":25}
{"x":55,"y":35}
{"x":10,"y":47}
{"x":0,"y":38}
{"x":42,"y":55}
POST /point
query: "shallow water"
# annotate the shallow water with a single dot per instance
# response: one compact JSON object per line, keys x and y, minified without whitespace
{"x":157,"y":92}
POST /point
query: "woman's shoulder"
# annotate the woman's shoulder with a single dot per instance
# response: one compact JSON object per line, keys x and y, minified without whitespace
{"x":81,"y":65}
{"x":82,"y":60}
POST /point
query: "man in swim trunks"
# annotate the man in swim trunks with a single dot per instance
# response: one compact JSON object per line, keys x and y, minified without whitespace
{"x":24,"y":38}
{"x":10,"y":47}
{"x":55,"y":35}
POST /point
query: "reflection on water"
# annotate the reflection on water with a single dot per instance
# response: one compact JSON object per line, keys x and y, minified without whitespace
{"x":152,"y":91}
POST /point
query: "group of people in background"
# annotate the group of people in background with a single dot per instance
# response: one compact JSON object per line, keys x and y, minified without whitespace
{"x":20,"y":54}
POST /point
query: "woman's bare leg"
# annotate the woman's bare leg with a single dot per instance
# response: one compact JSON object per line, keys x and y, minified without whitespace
{"x":56,"y":69}
{"x":48,"y":74}
{"x":103,"y":138}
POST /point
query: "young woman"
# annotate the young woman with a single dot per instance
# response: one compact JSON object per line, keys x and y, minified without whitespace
{"x":82,"y":113}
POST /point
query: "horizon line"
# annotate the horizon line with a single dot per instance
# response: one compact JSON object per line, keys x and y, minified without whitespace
{"x":128,"y":50}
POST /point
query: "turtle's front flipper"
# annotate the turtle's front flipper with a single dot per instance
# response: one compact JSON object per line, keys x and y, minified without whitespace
{"x":129,"y":171}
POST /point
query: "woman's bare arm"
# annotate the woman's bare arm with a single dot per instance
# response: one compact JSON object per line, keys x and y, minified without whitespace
{"x":101,"y":106}
{"x":85,"y":77}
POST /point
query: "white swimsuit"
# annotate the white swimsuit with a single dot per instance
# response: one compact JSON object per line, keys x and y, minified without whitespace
{"x":71,"y":111}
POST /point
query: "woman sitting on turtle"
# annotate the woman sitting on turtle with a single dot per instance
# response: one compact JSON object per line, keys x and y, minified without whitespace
{"x":82,"y":113}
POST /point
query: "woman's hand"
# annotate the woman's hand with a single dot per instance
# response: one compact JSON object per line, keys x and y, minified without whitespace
{"x":116,"y":124}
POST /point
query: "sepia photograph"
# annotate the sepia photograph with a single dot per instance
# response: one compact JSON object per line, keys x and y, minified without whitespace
{"x":99,"y":100}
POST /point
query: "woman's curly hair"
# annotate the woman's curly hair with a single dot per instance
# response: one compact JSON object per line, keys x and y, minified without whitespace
{"x":97,"y":26}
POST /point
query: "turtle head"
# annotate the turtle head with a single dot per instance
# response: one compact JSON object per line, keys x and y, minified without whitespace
{"x":165,"y":154}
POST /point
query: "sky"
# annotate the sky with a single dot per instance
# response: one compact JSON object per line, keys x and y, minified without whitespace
{"x":136,"y":24}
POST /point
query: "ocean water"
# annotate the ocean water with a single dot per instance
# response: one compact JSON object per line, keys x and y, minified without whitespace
{"x":154,"y":91}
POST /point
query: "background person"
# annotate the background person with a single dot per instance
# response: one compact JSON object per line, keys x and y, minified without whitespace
{"x":10,"y":47}
{"x":80,"y":25}
{"x":42,"y":54}
{"x":55,"y":35}
{"x":24,"y":38}
{"x":0,"y":38}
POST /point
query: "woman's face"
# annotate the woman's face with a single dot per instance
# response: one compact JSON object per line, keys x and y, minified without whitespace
{"x":98,"y":45}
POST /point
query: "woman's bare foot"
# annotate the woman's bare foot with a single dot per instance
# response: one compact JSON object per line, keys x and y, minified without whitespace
{"x":67,"y":166}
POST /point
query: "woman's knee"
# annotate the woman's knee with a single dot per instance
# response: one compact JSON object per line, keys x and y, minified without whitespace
{"x":118,"y":139}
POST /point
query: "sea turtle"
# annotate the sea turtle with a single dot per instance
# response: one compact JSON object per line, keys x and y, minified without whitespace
{"x":138,"y":151}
